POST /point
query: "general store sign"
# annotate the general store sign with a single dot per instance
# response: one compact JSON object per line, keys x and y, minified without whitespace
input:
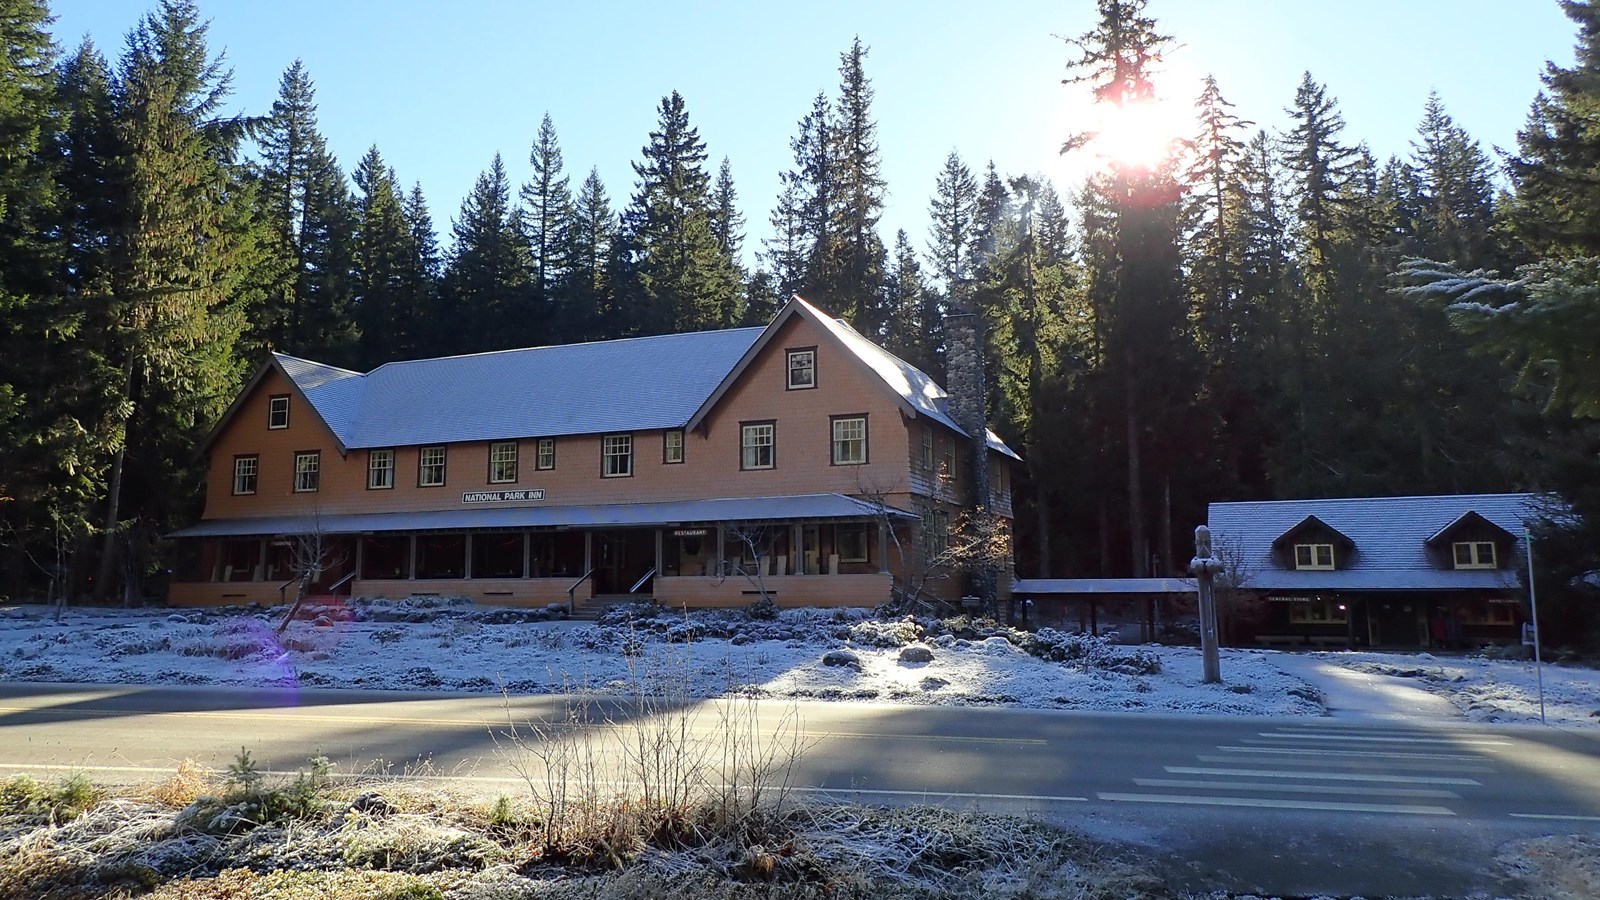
{"x":502,"y":496}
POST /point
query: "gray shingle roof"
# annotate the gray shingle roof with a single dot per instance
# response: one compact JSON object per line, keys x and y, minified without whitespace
{"x":1048,"y":586}
{"x":734,"y":509}
{"x":1390,"y":536}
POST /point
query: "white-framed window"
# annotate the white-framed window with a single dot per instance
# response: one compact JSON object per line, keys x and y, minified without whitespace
{"x":380,"y":469}
{"x":245,"y":470}
{"x":430,"y":466}
{"x":1314,"y":557}
{"x":307,"y":471}
{"x":850,"y":440}
{"x":802,"y":368}
{"x":672,"y":447}
{"x":502,"y":462}
{"x":757,"y":442}
{"x":947,"y":469}
{"x":927,"y":448}
{"x":545,"y":457}
{"x":278,"y":411}
{"x":851,"y":542}
{"x":1474,"y":554}
{"x":616,"y":456}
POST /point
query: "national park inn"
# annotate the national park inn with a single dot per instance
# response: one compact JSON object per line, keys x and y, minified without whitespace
{"x":688,"y":468}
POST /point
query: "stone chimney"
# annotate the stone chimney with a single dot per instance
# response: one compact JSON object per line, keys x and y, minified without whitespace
{"x":964,"y":380}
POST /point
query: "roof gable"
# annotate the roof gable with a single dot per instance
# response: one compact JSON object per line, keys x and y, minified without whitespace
{"x":1310,"y":524}
{"x":324,"y":389}
{"x":1467,"y":519}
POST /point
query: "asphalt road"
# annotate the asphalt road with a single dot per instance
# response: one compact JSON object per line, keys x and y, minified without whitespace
{"x":1290,"y":806}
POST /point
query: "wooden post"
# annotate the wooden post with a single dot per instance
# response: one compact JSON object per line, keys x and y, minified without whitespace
{"x":1205,"y":567}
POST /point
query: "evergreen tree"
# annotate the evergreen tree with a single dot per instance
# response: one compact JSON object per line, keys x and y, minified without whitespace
{"x":487,"y":283}
{"x":585,"y":306}
{"x":1456,"y":187}
{"x":727,"y":223}
{"x":548,"y":201}
{"x":953,"y":209}
{"x":858,"y":266}
{"x":680,"y":277}
{"x":308,"y":203}
{"x":1323,"y":168}
{"x":417,"y":309}
{"x":383,"y":248}
{"x":915,"y":323}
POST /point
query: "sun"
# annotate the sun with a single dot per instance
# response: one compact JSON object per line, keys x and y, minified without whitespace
{"x":1137,"y":135}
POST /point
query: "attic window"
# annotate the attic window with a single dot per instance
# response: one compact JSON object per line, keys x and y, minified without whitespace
{"x":802,"y":368}
{"x":1315,"y":557}
{"x":1474,"y":554}
{"x":278,"y":411}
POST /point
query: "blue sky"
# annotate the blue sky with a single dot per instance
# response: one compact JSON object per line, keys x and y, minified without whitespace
{"x":440,"y":87}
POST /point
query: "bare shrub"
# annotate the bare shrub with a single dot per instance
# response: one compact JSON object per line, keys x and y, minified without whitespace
{"x":187,"y":784}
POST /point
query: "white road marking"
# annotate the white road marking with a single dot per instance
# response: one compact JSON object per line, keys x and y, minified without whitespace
{"x":1488,"y":742}
{"x":1296,"y":788}
{"x":1364,"y":754}
{"x":1321,"y":776}
{"x":1280,"y":804}
{"x":1348,"y":763}
{"x":1555,"y":817}
{"x":844,"y":792}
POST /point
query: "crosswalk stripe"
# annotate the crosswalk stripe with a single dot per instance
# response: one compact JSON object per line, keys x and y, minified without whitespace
{"x":1363,"y":790}
{"x":1348,"y":763}
{"x":1555,"y":817}
{"x":1321,"y":776}
{"x":1364,"y":754}
{"x":1190,"y":800}
{"x":1376,"y":739}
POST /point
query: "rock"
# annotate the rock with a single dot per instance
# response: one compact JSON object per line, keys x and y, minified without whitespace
{"x":322,"y":621}
{"x":177,"y":619}
{"x":933,"y":684}
{"x":739,"y":640}
{"x":322,"y":655}
{"x":841,"y":658}
{"x":916,"y":653}
{"x":556,"y":609}
{"x":372,"y":803}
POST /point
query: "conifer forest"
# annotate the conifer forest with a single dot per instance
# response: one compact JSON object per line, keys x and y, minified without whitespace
{"x":1257,"y":314}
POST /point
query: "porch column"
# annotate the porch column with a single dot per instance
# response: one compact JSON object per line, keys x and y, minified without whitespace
{"x":721,"y":565}
{"x":357,"y":557}
{"x":588,"y":550}
{"x":883,"y":545}
{"x":659,"y":557}
{"x":260,"y":574}
{"x":527,"y":555}
{"x":466,"y":564}
{"x":411,"y":552}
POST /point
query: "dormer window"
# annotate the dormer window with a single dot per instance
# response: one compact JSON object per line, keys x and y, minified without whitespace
{"x":1474,"y":554}
{"x":802,"y":368}
{"x":1313,"y":557}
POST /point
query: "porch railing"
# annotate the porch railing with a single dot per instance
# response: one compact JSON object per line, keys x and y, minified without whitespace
{"x":333,"y":589}
{"x":572,"y":606}
{"x":642,"y":579}
{"x":283,"y":596}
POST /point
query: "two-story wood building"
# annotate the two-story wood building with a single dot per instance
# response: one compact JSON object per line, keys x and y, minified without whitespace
{"x":1435,"y":571}
{"x":676,"y":467}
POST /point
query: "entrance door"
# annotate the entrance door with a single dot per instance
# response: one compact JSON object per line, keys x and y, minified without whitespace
{"x":621,"y":558}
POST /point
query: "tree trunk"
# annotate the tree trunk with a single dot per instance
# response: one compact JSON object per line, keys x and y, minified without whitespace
{"x":108,"y":550}
{"x":1042,"y":508}
{"x":1137,"y":541}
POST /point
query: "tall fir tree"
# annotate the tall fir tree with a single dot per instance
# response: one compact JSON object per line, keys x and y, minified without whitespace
{"x":547,"y":198}
{"x":585,"y":305}
{"x":487,"y":283}
{"x":859,"y":263}
{"x":417,"y":306}
{"x":382,"y":250}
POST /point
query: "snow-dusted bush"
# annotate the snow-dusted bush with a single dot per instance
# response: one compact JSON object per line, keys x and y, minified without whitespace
{"x":888,"y":635}
{"x":1091,"y":652}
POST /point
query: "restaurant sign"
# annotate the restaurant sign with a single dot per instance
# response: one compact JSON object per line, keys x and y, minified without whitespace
{"x":502,"y":496}
{"x":691,"y":532}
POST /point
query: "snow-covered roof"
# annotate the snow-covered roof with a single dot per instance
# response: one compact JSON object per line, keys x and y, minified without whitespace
{"x":918,"y":392}
{"x":1048,"y":586}
{"x":1389,"y":540}
{"x":671,"y":512}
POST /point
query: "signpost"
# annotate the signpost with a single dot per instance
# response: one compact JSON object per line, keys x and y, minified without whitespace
{"x":1205,"y":567}
{"x":1533,"y":604}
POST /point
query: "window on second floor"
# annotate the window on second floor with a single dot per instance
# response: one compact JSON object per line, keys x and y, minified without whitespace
{"x":616,"y":456}
{"x":278,"y":411}
{"x":927,"y":448}
{"x":245,"y":471}
{"x":849,"y":440}
{"x":380,"y":469}
{"x":758,"y":445}
{"x":307,"y":471}
{"x":1474,"y":554}
{"x":430,"y":466}
{"x":672,"y":447}
{"x":802,"y":368}
{"x":1314,"y":557}
{"x":502,"y":462}
{"x":545,"y":458}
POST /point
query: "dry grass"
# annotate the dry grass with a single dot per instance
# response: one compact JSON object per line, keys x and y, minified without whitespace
{"x":189,"y":782}
{"x":1555,"y":868}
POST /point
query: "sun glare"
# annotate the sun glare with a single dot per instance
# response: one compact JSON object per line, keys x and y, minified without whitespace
{"x":1137,"y":136}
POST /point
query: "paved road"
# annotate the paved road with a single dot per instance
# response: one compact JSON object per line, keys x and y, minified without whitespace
{"x":1295,"y":806}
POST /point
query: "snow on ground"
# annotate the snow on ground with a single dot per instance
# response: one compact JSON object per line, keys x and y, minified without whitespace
{"x":435,"y":645}
{"x":1489,"y":690}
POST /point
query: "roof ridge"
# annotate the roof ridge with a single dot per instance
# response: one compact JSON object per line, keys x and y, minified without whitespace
{"x":322,"y":365}
{"x":1371,"y":499}
{"x":640,"y":338}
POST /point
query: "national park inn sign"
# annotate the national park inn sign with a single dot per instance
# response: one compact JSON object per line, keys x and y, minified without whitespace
{"x":502,"y":496}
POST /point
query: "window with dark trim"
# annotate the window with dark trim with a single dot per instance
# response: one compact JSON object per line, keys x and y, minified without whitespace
{"x":430,"y":466}
{"x":851,"y":542}
{"x":307,"y":471}
{"x":545,"y":457}
{"x":380,"y":469}
{"x":616,"y":456}
{"x":849,"y":439}
{"x":758,"y":445}
{"x":502,"y":462}
{"x":672,"y":447}
{"x":802,"y":368}
{"x":245,"y":471}
{"x":278,"y":411}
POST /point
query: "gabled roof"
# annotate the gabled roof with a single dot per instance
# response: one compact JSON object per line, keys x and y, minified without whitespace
{"x":1391,"y":532}
{"x":1469,"y":517}
{"x":326,"y":389}
{"x":917,"y":393}
{"x":1310,"y":522}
